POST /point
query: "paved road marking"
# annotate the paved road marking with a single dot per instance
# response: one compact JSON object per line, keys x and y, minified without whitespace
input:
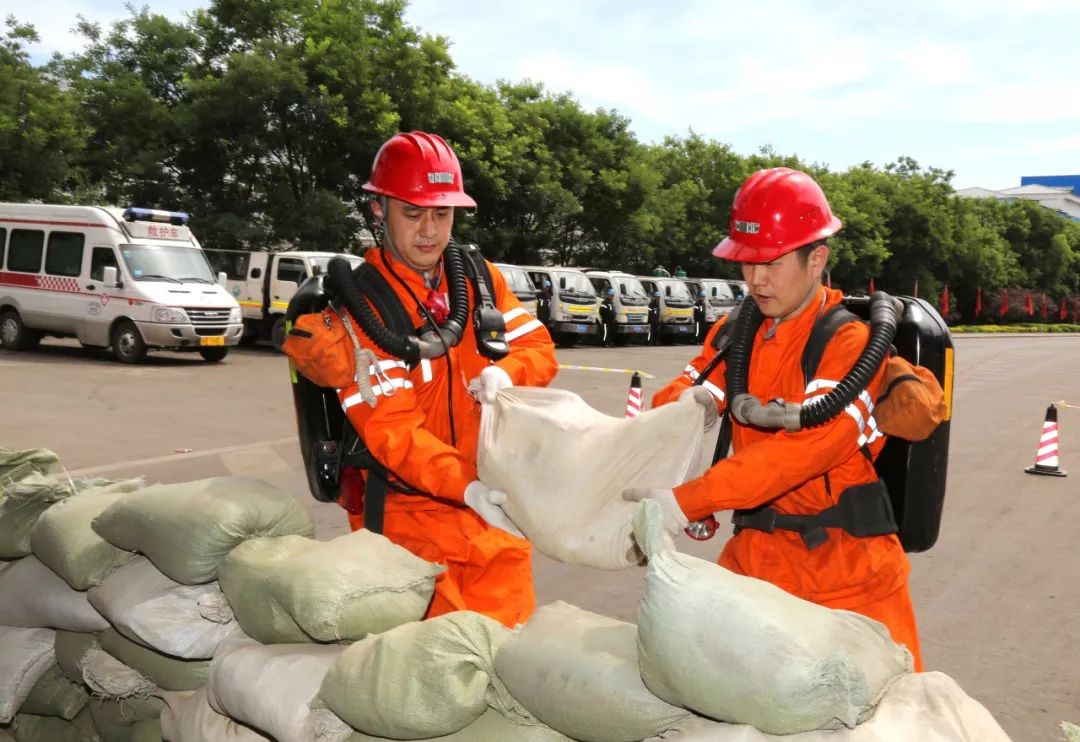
{"x":627,"y":371}
{"x":180,"y":457}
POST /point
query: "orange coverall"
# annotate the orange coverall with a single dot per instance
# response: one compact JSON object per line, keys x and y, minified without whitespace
{"x":788,"y":471}
{"x":408,"y":431}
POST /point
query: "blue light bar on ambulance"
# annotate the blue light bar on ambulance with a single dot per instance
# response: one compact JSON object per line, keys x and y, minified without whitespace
{"x":175,"y":218}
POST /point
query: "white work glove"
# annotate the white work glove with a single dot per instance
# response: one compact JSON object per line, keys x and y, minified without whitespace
{"x":486,"y":386}
{"x":702,"y":396}
{"x":487,"y":503}
{"x":675,"y":519}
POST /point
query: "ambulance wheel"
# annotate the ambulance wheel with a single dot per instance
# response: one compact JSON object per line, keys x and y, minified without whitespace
{"x":14,"y":335}
{"x":214,"y":355}
{"x":128,"y":345}
{"x":277,"y":333}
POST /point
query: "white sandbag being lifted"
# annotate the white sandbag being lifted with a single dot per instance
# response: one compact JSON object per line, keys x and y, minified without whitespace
{"x":742,"y":650}
{"x":186,"y":529}
{"x":564,"y":466}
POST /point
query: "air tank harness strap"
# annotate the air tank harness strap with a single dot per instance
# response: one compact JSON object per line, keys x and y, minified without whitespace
{"x":863,"y":510}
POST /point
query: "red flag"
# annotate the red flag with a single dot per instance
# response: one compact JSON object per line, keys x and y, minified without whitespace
{"x":1042,"y":307}
{"x":945,"y":302}
{"x":1029,"y":305}
{"x":1004,"y":302}
{"x":978,"y":302}
{"x":871,"y":285}
{"x":1063,"y":311}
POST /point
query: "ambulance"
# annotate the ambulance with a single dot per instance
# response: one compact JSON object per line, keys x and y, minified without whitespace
{"x":264,"y":282}
{"x":127,"y":279}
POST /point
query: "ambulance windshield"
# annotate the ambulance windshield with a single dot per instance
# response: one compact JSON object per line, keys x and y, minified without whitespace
{"x":167,"y":263}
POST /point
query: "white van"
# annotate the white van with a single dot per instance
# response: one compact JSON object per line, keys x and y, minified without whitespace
{"x":572,"y":310}
{"x":264,"y":282}
{"x":630,"y":300}
{"x":131,"y":279}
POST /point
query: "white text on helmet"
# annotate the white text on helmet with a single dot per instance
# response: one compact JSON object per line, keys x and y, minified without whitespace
{"x":440,"y":178}
{"x":747,"y":227}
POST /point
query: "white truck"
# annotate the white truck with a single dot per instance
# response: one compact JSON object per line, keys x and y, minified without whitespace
{"x":631,"y":304}
{"x":264,"y":283}
{"x":127,"y":279}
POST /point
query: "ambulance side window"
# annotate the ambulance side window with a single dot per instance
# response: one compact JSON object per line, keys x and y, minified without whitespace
{"x":65,"y":254}
{"x":100,"y":259}
{"x":291,"y":269}
{"x":3,"y":244}
{"x":25,"y":251}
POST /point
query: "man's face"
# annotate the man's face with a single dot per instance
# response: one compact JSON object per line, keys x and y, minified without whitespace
{"x":780,"y":287}
{"x":419,"y":234}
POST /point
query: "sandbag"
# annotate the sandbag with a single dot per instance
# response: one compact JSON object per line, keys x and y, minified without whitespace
{"x":70,"y":648}
{"x":564,"y":466}
{"x":16,"y":465}
{"x":294,"y":589}
{"x":1071,"y":732}
{"x":45,"y":600}
{"x":186,"y":529}
{"x":31,"y":728}
{"x":55,"y":695}
{"x":928,"y":707}
{"x":64,"y":541}
{"x":578,"y":673}
{"x":742,"y":650}
{"x":270,"y":687}
{"x":22,"y":502}
{"x":109,"y":678}
{"x":168,"y":673}
{"x":127,"y":719}
{"x":25,"y":655}
{"x":420,"y":679}
{"x":187,"y":717}
{"x":185,"y":621}
{"x":491,"y":726}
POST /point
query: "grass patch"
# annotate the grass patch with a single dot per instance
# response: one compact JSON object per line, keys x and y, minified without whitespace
{"x":1025,"y":327}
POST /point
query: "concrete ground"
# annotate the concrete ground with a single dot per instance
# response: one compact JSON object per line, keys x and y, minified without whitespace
{"x":996,"y":598}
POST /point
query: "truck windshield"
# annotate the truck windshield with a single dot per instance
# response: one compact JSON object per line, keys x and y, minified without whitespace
{"x":677,"y":290}
{"x":576,"y":283}
{"x":630,"y":286}
{"x":517,"y":280}
{"x":166,"y":262}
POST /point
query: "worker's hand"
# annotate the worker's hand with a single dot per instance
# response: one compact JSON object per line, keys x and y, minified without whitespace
{"x":675,"y":519}
{"x":487,"y":503}
{"x":702,"y":396}
{"x":486,"y":386}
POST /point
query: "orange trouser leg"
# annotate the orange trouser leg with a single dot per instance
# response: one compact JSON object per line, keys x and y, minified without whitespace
{"x":897,"y":613}
{"x":487,"y":570}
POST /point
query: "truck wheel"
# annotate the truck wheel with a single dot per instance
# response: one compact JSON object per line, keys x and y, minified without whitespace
{"x":128,"y":345}
{"x":214,"y":355}
{"x":14,"y":335}
{"x":277,"y":333}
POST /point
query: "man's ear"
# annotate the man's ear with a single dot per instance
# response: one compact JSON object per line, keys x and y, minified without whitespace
{"x":377,"y":210}
{"x":819,"y":258}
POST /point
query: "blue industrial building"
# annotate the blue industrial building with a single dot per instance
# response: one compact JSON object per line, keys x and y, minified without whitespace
{"x":1071,"y":182}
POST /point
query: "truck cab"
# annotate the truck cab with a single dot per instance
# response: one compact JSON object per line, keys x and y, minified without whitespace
{"x":127,"y":279}
{"x":518,"y":281}
{"x":264,"y":282}
{"x":568,"y":304}
{"x":675,"y":306}
{"x":630,"y":301}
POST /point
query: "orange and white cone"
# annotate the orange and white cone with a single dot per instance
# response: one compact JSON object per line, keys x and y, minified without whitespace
{"x":633,"y":399}
{"x":1046,"y":459}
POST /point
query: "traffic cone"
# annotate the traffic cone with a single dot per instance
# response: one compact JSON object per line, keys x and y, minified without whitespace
{"x":633,"y":400}
{"x":1046,"y":459}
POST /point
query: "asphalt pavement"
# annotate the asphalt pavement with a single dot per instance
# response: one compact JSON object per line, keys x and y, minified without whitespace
{"x":997,"y":598}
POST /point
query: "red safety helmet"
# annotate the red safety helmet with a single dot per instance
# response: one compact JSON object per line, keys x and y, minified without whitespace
{"x":420,"y":169}
{"x":776,"y":211}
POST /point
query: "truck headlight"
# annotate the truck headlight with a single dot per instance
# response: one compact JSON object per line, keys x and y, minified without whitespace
{"x":234,"y":315}
{"x":169,"y":314}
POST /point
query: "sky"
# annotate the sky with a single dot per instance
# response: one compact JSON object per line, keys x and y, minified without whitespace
{"x":984,"y":88}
